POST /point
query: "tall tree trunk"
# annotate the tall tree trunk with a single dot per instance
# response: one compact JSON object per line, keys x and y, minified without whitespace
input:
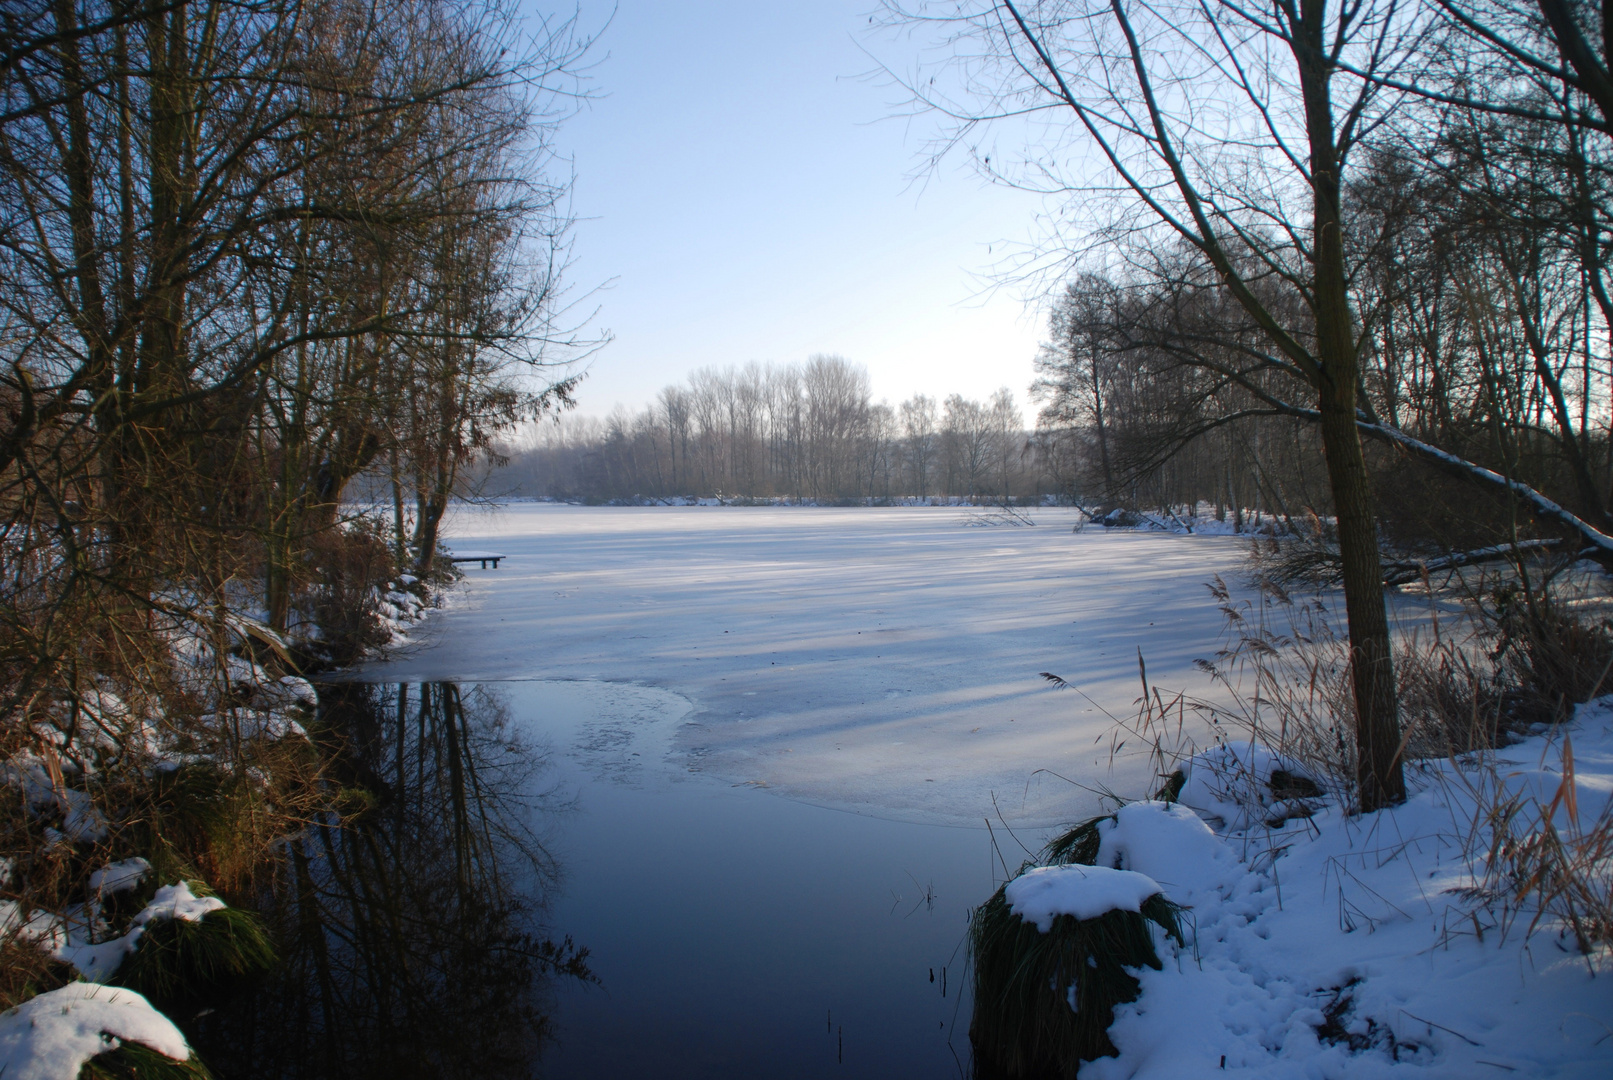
{"x":1378,"y":746}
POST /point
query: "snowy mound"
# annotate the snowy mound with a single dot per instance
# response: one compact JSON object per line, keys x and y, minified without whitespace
{"x":73,"y":940}
{"x":1366,"y":945}
{"x":1242,"y":784}
{"x":1170,"y":844}
{"x":50,"y":1037}
{"x":1040,"y":895}
{"x":178,"y":902}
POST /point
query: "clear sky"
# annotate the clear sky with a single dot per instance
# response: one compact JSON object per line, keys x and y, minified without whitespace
{"x":750,"y":197}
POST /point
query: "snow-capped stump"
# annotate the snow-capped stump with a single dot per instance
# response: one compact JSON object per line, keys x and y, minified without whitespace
{"x":89,"y":1031}
{"x":1040,"y":895}
{"x":1050,"y":952}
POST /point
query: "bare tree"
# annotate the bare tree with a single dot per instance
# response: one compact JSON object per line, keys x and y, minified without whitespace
{"x":919,"y":433}
{"x":1076,"y":367}
{"x":1230,"y":128}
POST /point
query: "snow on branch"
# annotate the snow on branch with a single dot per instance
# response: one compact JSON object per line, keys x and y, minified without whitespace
{"x":1404,"y":572}
{"x":1599,"y":543}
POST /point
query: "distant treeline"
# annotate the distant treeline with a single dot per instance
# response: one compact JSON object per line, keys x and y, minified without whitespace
{"x":806,"y":430}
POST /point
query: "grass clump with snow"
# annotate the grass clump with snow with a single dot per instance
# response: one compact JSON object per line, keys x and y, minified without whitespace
{"x":180,"y":961}
{"x":1050,"y":952}
{"x":135,"y":1061}
{"x":86,"y":1031}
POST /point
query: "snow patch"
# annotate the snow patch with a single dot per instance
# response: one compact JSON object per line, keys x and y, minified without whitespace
{"x":178,"y":902}
{"x":1045,"y":892}
{"x":46,"y":797}
{"x":1171,"y":845}
{"x":119,"y":876}
{"x":1231,"y":784}
{"x":51,"y":1036}
{"x":78,"y":937}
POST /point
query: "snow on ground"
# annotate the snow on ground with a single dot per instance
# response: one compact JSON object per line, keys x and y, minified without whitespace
{"x":1342,"y":947}
{"x":80,"y":936}
{"x":884,"y":660}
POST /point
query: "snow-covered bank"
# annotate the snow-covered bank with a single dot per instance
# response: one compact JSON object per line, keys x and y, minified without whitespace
{"x":876,"y":659}
{"x":1358,"y":947}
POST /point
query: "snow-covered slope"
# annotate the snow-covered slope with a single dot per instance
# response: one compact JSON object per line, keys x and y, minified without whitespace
{"x":1353,"y":947}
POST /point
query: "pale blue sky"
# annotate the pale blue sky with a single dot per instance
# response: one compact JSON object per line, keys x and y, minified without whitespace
{"x":752,"y":199}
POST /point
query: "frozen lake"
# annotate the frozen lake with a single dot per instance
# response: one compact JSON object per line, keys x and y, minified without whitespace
{"x":764,"y":745}
{"x":684,"y":667}
{"x":883,"y":661}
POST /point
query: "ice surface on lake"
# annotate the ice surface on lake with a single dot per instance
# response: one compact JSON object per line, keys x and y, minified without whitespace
{"x":877,"y":659}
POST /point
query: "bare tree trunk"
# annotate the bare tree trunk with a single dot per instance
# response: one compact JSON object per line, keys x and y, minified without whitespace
{"x":1378,"y":745}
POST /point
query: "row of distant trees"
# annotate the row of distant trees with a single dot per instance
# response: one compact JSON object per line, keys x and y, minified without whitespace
{"x":803,"y":431}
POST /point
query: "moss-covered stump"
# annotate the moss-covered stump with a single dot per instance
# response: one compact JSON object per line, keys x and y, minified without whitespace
{"x":1046,"y":983}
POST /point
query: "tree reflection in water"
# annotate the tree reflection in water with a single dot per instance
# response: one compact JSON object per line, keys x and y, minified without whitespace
{"x":408,"y":932}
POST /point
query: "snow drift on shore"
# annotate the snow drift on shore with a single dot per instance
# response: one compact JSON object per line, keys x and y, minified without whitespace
{"x":1356,"y":947}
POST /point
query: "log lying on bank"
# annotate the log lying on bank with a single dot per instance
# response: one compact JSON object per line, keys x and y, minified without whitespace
{"x":1318,"y":563}
{"x":1593,"y":542}
{"x":1408,"y":570}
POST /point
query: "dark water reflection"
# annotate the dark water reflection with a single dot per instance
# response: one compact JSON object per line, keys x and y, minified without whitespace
{"x":410,"y":937}
{"x":731,"y":932}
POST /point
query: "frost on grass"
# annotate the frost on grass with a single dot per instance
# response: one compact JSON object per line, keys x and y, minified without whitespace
{"x":51,"y":1036}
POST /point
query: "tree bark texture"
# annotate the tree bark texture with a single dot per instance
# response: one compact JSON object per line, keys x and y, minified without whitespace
{"x":1379,"y":774}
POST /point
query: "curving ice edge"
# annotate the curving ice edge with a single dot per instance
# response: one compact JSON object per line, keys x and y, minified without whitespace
{"x":1041,"y":894}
